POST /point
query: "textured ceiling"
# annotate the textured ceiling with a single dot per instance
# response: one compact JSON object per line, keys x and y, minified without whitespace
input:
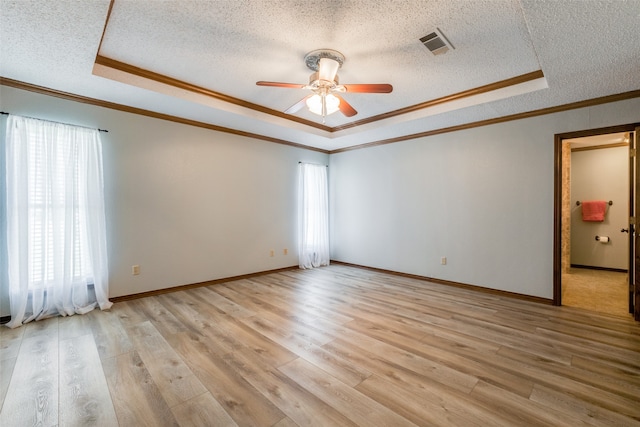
{"x":585,"y":49}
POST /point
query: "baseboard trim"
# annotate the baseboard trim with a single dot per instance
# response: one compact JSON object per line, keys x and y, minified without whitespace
{"x":591,"y":267}
{"x":540,"y":300}
{"x":6,"y":319}
{"x":197,"y":285}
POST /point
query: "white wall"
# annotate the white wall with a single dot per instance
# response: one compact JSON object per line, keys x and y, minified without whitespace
{"x":186,"y":204}
{"x":601,"y":174}
{"x":481,"y":197}
{"x":190,"y":205}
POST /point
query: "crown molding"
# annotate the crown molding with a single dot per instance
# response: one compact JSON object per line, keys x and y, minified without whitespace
{"x":543,"y":111}
{"x":133,"y":110}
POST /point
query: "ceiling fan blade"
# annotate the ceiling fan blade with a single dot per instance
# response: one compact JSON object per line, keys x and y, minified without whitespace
{"x":345,"y":107}
{"x":298,"y":105}
{"x":279,"y":84}
{"x":327,"y":69}
{"x":369,"y":88}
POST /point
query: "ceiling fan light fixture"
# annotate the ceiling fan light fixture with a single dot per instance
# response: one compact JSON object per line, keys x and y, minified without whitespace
{"x":332,"y":104}
{"x":323,"y":82}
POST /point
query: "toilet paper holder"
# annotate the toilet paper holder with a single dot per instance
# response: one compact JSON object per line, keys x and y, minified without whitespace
{"x":605,"y":239}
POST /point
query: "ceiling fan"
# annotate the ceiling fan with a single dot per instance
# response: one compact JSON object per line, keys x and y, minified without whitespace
{"x":325,"y":86}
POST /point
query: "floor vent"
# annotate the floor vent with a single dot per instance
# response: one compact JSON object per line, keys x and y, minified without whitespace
{"x":436,"y":42}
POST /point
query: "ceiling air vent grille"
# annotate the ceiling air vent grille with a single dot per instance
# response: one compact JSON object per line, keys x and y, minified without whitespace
{"x":436,"y":42}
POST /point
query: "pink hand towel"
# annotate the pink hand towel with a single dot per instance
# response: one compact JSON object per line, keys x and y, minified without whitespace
{"x":594,"y":210}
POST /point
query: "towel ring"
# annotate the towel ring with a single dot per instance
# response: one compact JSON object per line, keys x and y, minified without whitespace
{"x":578,"y":203}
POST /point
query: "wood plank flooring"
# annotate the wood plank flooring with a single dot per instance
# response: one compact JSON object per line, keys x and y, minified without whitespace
{"x":335,"y":346}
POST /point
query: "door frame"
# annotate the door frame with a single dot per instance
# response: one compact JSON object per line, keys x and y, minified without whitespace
{"x":557,"y":197}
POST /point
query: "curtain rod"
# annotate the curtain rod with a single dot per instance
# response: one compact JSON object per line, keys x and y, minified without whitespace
{"x":51,"y":121}
{"x":317,"y":164}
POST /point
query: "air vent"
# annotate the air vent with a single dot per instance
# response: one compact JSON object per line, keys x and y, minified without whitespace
{"x":436,"y":42}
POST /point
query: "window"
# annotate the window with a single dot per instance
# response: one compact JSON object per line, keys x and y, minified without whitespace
{"x":47,"y":192}
{"x":313,"y":216}
{"x":56,"y":231}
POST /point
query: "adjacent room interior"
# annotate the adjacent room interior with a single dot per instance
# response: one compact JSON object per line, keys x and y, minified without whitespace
{"x":457,"y":138}
{"x":596,"y":275}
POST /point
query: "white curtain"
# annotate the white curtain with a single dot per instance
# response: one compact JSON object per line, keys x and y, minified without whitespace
{"x":313,"y":216}
{"x":56,"y":238}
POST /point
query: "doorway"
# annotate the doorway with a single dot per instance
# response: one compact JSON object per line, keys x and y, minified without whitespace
{"x":591,"y":258}
{"x":595,"y":273}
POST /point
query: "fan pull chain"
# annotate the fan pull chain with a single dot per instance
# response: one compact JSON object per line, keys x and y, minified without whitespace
{"x":324,"y":107}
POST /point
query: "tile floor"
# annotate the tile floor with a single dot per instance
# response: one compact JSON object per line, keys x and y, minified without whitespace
{"x":597,"y":290}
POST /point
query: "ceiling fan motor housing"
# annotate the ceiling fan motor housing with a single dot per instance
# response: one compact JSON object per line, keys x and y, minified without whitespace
{"x":315,"y":82}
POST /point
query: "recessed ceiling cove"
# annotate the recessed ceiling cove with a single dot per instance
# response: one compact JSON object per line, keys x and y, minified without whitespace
{"x":198,"y":62}
{"x":223,"y":48}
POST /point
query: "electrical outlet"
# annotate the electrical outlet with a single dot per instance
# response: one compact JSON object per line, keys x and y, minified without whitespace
{"x":135,"y":270}
{"x":285,"y":251}
{"x":272,"y":253}
{"x":443,"y":260}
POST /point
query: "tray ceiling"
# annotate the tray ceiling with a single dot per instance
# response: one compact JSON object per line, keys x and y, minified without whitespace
{"x":200,"y":60}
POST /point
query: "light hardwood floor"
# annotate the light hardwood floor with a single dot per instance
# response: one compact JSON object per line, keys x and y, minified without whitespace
{"x":332,"y":346}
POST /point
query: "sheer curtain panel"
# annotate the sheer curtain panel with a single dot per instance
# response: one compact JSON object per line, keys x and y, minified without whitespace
{"x":313,"y":216}
{"x":56,"y":237}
